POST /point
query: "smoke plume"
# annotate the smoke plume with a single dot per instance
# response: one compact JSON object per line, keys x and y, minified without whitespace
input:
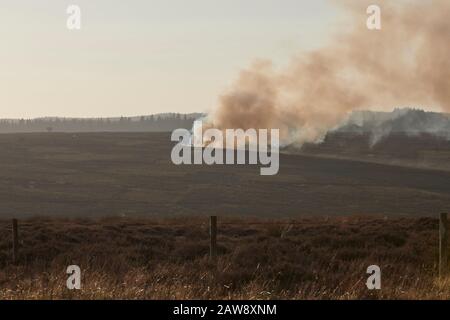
{"x":406,"y":63}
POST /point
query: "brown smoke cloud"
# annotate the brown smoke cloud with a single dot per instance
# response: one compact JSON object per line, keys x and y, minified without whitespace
{"x":404,"y":64}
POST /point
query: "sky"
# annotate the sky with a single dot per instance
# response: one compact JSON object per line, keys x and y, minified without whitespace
{"x":140,"y":57}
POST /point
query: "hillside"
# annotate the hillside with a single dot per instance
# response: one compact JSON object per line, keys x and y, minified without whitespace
{"x":164,"y":122}
{"x":404,"y":137}
{"x":129,"y":174}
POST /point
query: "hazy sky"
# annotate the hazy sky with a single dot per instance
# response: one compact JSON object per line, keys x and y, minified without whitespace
{"x":143,"y":56}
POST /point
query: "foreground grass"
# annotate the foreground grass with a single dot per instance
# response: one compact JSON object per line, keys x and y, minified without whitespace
{"x":309,"y":258}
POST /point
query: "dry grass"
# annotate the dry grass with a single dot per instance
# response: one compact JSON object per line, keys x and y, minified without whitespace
{"x":311,"y":258}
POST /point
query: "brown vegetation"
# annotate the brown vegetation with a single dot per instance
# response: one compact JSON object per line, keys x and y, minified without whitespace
{"x":308,"y":258}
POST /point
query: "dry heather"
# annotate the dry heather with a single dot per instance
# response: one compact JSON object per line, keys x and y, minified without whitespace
{"x":309,"y":258}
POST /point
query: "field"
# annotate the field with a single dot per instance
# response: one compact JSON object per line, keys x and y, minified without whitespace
{"x":137,"y":225}
{"x":136,"y":258}
{"x":131,"y":174}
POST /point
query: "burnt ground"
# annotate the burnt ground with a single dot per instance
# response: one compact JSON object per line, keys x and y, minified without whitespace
{"x":131,"y":174}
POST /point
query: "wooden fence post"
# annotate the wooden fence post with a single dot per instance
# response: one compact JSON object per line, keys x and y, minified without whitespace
{"x":443,"y":245}
{"x":213,"y":237}
{"x":15,"y":240}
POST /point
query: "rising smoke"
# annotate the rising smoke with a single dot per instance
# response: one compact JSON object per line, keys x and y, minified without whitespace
{"x":406,"y":63}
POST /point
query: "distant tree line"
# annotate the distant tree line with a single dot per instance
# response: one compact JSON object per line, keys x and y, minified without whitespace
{"x":154,"y":123}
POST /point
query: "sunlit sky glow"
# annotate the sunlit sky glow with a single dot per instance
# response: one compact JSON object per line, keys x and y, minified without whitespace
{"x":144,"y":56}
